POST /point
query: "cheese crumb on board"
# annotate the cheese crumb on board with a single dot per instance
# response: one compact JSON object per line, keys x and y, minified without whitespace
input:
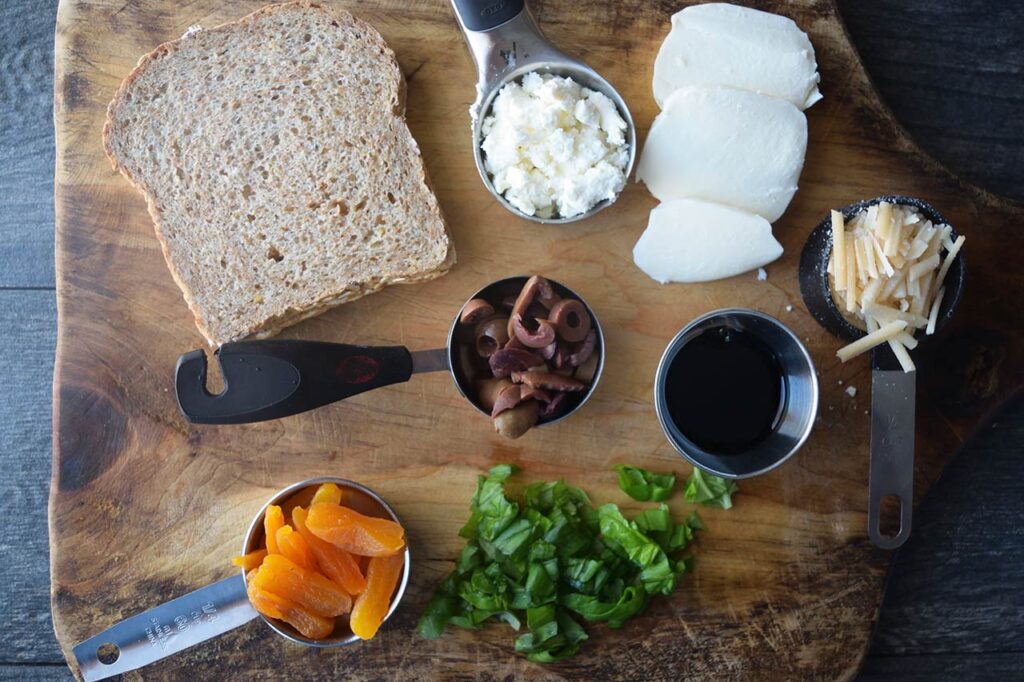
{"x":851,"y":391}
{"x":887,"y":265}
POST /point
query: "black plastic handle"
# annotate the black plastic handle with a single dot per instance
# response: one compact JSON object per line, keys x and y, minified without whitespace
{"x":483,"y":15}
{"x":272,"y":379}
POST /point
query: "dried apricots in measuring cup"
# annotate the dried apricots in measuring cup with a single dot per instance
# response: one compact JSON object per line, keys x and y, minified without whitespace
{"x":328,"y":563}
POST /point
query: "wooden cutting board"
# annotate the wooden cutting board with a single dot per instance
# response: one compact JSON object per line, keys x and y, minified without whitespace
{"x":145,"y":506}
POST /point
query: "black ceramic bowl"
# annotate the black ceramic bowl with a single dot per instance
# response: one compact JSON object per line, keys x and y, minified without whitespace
{"x":814,"y":286}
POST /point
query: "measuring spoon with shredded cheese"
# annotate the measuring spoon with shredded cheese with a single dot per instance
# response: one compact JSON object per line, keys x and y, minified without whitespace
{"x":874,"y":274}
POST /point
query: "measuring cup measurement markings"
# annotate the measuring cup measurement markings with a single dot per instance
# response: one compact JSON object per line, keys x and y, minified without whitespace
{"x":224,"y":605}
{"x":506,"y":44}
{"x":893,"y":391}
{"x":277,"y":378}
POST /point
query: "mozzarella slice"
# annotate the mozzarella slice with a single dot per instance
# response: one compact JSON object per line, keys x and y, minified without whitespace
{"x":720,"y":44}
{"x":728,"y":146}
{"x":696,"y":241}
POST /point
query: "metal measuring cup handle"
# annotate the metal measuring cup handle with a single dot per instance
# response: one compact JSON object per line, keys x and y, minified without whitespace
{"x":501,"y":35}
{"x":891,"y":464}
{"x":213,"y":610}
{"x":272,"y":379}
{"x":165,"y":630}
{"x":893,"y":391}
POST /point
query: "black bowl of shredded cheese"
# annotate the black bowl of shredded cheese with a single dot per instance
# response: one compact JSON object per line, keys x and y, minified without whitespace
{"x":899,"y":270}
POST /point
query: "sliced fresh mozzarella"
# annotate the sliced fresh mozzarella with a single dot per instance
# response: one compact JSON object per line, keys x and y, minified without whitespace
{"x":696,"y":241}
{"x":721,"y":44}
{"x":728,"y":146}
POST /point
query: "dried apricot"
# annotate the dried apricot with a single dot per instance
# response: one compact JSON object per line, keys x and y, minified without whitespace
{"x":273,"y":606}
{"x":285,"y":578}
{"x":335,"y":563}
{"x":327,"y":492}
{"x":273,"y":519}
{"x":249,"y":561}
{"x":354,"y":532}
{"x":292,"y":545}
{"x":372,"y":604}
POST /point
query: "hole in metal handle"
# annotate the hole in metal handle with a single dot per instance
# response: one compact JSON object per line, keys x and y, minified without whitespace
{"x":889,"y":525}
{"x":108,"y":653}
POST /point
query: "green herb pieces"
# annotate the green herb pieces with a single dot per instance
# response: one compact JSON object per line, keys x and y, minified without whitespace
{"x":557,"y":636}
{"x":643,"y":485}
{"x":626,"y":539}
{"x":709,"y":490}
{"x":657,"y":524}
{"x":443,"y":606}
{"x":541,"y":563}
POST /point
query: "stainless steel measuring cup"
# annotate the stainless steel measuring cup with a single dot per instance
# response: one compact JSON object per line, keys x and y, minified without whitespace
{"x":272,"y":379}
{"x":796,"y":415}
{"x":893,"y":391}
{"x":506,"y":44}
{"x":222,"y":606}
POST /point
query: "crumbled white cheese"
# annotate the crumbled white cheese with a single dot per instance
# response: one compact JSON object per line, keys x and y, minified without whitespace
{"x":789,"y":308}
{"x":553,"y":147}
{"x":762,"y":274}
{"x":851,"y":391}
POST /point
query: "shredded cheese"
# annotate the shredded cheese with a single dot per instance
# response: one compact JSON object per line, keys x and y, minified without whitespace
{"x":950,"y":255}
{"x":887,"y":268}
{"x":900,"y":351}
{"x":883,"y":220}
{"x":933,"y":314}
{"x":921,"y":267}
{"x":886,"y":265}
{"x":907,"y":340}
{"x":851,"y":275}
{"x":875,"y":338}
{"x":839,"y":246}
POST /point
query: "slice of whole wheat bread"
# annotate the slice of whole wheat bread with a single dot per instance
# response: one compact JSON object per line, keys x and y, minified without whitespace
{"x":278,"y":169}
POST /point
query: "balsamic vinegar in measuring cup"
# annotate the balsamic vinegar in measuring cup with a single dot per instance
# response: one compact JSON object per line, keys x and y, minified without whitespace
{"x":725,"y":391}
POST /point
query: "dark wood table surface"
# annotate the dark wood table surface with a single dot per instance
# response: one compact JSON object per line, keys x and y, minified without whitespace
{"x":953,"y":73}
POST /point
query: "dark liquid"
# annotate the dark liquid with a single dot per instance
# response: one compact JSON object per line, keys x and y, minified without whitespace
{"x":725,"y":391}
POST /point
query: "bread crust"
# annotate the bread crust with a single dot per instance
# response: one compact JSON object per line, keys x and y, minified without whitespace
{"x":273,"y":325}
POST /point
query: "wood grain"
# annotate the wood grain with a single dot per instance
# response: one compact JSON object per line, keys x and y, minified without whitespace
{"x":28,"y":328}
{"x":961,"y":103}
{"x":928,"y":668}
{"x":26,"y":70}
{"x":798,"y":600}
{"x":954,"y":602}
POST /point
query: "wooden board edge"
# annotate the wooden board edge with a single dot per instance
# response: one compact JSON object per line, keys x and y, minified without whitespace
{"x":66,"y":12}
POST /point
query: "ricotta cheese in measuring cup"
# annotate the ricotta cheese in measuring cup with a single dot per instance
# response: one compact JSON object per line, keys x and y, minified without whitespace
{"x":554,"y":148}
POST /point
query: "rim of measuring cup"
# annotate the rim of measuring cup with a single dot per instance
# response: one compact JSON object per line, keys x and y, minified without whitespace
{"x":563,"y":291}
{"x":573,"y":69}
{"x":813,"y":269}
{"x":287,"y":631}
{"x":693,"y":453}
